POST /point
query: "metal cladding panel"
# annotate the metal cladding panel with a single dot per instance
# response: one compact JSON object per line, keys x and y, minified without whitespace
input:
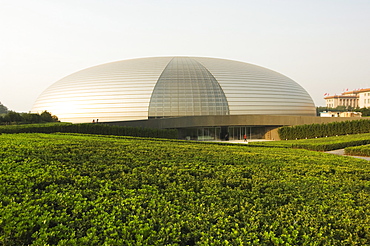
{"x":124,"y":91}
{"x":110,"y":92}
{"x":251,"y":89}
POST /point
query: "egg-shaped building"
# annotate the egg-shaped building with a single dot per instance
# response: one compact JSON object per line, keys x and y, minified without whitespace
{"x":162,"y":87}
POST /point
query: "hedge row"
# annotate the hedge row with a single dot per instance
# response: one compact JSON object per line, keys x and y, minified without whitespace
{"x":324,"y":130}
{"x":330,"y":146}
{"x":88,"y":128}
{"x":363,"y":150}
{"x":320,"y":144}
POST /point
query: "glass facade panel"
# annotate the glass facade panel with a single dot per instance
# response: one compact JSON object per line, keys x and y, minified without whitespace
{"x":223,"y":133}
{"x":190,"y":90}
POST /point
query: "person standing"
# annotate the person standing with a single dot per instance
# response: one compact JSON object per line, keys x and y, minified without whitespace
{"x":245,"y":138}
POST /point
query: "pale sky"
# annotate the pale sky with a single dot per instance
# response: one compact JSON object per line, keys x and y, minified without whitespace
{"x":324,"y":45}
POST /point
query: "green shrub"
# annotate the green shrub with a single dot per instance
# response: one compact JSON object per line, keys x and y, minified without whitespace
{"x":358,"y":150}
{"x":320,"y":144}
{"x":324,"y":130}
{"x":89,"y":128}
{"x":70,"y":189}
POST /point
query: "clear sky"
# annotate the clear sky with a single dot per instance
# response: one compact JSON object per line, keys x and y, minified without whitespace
{"x":324,"y":45}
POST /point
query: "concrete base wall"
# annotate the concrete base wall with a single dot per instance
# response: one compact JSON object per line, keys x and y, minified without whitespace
{"x":272,"y":133}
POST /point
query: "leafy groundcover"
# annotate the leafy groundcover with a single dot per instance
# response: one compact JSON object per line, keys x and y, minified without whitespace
{"x":69,"y":189}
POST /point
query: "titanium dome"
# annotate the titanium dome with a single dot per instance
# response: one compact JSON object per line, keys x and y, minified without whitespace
{"x":158,"y":87}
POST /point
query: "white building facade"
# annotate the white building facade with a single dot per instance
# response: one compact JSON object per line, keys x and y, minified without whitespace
{"x":357,"y":98}
{"x":364,"y":98}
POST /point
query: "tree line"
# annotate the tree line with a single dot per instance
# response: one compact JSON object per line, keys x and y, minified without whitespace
{"x":12,"y":117}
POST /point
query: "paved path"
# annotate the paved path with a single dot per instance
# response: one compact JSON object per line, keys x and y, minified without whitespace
{"x":335,"y":152}
{"x":341,"y":152}
{"x":240,"y":141}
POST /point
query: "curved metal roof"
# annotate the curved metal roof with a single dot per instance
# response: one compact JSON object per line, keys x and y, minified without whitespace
{"x":173,"y":86}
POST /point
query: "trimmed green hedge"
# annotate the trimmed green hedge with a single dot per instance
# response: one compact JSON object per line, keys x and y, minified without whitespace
{"x":358,"y":150}
{"x":320,"y":144}
{"x":324,"y":130}
{"x":330,"y":146}
{"x":88,"y":128}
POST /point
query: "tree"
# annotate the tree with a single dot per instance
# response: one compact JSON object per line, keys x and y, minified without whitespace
{"x":47,"y":117}
{"x":364,"y":111}
{"x":12,"y":116}
{"x":321,"y":109}
{"x":31,"y":118}
{"x":3,"y":109}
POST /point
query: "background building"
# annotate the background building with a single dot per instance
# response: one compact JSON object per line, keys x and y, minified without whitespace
{"x":347,"y":99}
{"x":364,"y":98}
{"x":356,"y":98}
{"x":340,"y":114}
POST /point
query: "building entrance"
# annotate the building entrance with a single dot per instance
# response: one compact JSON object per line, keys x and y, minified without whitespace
{"x":224,"y":133}
{"x":252,"y":132}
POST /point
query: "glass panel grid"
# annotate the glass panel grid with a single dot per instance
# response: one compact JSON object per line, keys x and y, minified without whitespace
{"x":191,"y":90}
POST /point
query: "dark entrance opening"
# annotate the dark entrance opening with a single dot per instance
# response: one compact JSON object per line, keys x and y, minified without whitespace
{"x":224,"y":133}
